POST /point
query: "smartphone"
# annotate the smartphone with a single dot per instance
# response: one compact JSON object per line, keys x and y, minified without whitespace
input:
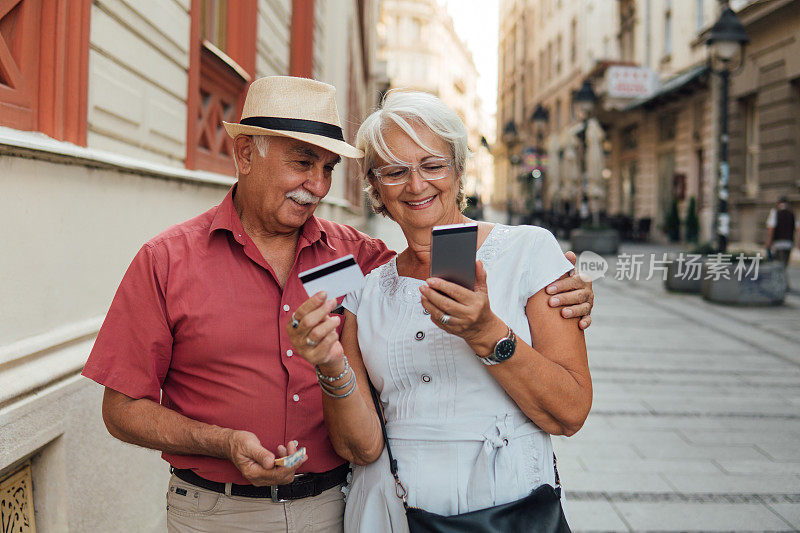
{"x":453,"y":250}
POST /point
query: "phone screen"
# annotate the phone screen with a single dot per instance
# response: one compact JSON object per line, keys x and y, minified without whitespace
{"x":453,"y":253}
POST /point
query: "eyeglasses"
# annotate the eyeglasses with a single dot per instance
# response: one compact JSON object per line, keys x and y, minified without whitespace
{"x":429,"y":170}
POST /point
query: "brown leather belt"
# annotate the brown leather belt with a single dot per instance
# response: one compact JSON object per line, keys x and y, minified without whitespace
{"x":303,"y":486}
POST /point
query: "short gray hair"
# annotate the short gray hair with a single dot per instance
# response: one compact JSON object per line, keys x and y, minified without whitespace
{"x":261,"y":143}
{"x":404,"y":109}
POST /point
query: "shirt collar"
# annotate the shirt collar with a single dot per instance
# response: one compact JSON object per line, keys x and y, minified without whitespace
{"x":313,"y":232}
{"x":228,"y":219}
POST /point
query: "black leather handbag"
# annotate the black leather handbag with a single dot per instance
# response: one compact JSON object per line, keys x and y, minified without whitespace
{"x":538,"y":512}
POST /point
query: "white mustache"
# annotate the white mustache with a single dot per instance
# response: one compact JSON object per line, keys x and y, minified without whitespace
{"x":302,"y":196}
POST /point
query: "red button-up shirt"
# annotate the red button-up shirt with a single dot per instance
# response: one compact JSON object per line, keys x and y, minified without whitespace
{"x":198,"y":323}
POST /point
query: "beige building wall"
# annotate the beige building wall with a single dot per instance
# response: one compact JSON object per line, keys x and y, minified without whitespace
{"x":422,"y":51}
{"x":272,"y":40}
{"x":74,"y":218}
{"x":765,"y":118}
{"x":138,"y":64}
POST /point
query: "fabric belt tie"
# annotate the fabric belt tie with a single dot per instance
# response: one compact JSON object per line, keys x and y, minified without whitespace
{"x":495,"y":455}
{"x":303,"y":486}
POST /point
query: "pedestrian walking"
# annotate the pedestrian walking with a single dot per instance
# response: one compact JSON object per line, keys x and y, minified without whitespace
{"x":782,"y":226}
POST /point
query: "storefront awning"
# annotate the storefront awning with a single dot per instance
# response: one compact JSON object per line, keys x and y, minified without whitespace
{"x":684,"y":83}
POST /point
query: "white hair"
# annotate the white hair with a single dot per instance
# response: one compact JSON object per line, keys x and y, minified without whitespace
{"x":405,"y":109}
{"x":261,"y":143}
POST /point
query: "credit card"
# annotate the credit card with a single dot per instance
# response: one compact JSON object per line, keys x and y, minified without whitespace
{"x":291,"y":460}
{"x":336,"y":278}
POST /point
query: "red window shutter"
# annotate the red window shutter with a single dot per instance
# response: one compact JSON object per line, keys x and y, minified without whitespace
{"x":218,"y":81}
{"x":19,"y":63}
{"x":44,"y":64}
{"x":220,"y":95}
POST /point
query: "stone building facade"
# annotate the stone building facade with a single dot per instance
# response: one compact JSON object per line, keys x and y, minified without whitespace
{"x":661,"y":140}
{"x":765,"y":118}
{"x":422,"y":51}
{"x":109,"y":133}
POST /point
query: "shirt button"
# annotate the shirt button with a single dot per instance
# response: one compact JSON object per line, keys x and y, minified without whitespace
{"x":419,"y":335}
{"x":426,"y":378}
{"x":296,"y":397}
{"x":285,"y":307}
{"x":289,"y":353}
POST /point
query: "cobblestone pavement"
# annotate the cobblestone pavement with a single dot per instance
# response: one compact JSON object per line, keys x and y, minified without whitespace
{"x":696,"y":418}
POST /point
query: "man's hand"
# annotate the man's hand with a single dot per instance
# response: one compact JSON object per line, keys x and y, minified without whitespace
{"x":574,"y":294}
{"x":256,"y":463}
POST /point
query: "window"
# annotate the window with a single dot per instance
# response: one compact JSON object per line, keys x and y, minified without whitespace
{"x":668,"y":29}
{"x":573,"y":53}
{"x":666,"y":173}
{"x":751,"y":126}
{"x":558,"y":55}
{"x":627,"y":192}
{"x":629,"y":136}
{"x":699,"y":15}
{"x":44,"y":66}
{"x":416,"y":29}
{"x":627,"y":24}
{"x":667,"y":124}
{"x":542,"y":67}
{"x":558,"y":114}
{"x":222,"y":61}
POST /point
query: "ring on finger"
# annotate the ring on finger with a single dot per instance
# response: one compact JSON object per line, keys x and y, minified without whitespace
{"x":295,"y":322}
{"x":310,"y":342}
{"x":444,"y":319}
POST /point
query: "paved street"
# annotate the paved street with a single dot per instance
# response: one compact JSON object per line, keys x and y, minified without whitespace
{"x":696,"y":418}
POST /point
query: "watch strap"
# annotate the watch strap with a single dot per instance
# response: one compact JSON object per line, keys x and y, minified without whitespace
{"x":491,"y":359}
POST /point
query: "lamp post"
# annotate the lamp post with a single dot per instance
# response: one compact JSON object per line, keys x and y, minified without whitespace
{"x":510,"y":137}
{"x":726,"y":38}
{"x":540,"y":118}
{"x":585,"y":99}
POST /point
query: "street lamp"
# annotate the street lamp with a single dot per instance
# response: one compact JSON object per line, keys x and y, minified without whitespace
{"x":726,"y":38}
{"x":540,"y":117}
{"x":584,"y":99}
{"x":510,"y":137}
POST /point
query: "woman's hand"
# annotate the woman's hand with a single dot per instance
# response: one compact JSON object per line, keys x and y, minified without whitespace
{"x":466,"y":313}
{"x":313,"y":332}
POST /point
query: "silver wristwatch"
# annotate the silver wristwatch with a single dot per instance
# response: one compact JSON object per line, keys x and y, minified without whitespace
{"x":503,"y":350}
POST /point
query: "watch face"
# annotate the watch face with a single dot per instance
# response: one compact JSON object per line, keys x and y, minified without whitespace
{"x":504,"y":349}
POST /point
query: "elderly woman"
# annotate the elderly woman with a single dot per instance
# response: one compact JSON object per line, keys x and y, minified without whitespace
{"x":468,"y":432}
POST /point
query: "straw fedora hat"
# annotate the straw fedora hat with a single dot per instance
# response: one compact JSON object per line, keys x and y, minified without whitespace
{"x":299,"y":108}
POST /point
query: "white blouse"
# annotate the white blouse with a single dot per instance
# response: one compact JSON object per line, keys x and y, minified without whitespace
{"x":460,"y":441}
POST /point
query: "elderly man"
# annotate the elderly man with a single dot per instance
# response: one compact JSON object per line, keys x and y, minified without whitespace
{"x":194,"y":352}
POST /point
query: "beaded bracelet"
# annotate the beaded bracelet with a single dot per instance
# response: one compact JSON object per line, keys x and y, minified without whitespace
{"x":331,"y":388}
{"x":346,"y":394}
{"x":330,"y":379}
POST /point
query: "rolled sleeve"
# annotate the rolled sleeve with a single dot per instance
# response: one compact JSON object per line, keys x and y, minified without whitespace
{"x":134,"y":346}
{"x":547,"y":260}
{"x":373,"y":253}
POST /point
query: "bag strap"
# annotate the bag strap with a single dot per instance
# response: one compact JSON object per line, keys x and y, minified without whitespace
{"x":399,"y":489}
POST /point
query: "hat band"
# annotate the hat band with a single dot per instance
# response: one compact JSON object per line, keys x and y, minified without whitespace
{"x":296,"y":124}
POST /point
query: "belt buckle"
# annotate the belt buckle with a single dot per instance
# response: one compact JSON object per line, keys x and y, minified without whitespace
{"x":273,"y":494}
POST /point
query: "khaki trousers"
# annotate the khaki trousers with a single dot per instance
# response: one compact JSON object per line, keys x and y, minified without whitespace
{"x":193,"y":509}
